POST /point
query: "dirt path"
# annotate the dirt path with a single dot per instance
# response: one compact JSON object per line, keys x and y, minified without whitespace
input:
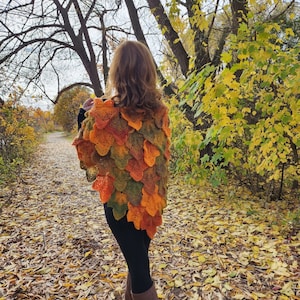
{"x":55,"y":243}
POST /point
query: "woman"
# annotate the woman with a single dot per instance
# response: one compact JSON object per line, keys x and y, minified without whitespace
{"x":123,"y":145}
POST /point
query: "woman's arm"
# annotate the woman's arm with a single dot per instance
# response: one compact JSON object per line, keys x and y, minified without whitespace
{"x":87,"y":105}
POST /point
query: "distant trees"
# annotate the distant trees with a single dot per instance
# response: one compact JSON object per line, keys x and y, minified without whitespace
{"x":66,"y":109}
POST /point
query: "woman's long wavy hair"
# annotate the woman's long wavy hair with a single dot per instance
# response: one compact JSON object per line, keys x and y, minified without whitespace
{"x":132,"y":80}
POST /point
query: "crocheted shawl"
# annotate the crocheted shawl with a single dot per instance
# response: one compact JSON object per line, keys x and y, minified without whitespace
{"x":126,"y":156}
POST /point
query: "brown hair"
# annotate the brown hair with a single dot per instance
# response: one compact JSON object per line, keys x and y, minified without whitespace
{"x":132,"y":77}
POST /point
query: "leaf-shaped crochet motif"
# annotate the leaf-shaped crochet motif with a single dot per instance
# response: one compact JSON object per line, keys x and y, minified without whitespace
{"x":135,"y":215}
{"x":150,"y":224}
{"x":104,"y":185}
{"x":121,"y":179}
{"x":161,"y":119}
{"x":119,"y":129}
{"x":135,"y":144}
{"x":136,"y":168}
{"x":105,"y":165}
{"x":134,"y":192}
{"x":153,"y":203}
{"x":103,"y":112}
{"x":150,"y":153}
{"x":149,"y":179}
{"x":134,"y":119}
{"x":85,"y":150}
{"x":121,"y":155}
{"x":118,"y":202}
{"x":102,"y":140}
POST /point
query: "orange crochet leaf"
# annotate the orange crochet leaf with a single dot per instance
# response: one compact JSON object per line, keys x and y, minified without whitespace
{"x":133,"y":191}
{"x":149,"y":179}
{"x":85,"y":150}
{"x":134,"y":119}
{"x":121,"y":155}
{"x":119,"y":129}
{"x":103,"y":112}
{"x":150,"y":153}
{"x":135,"y":144}
{"x":118,"y":202}
{"x":135,"y":215}
{"x":153,"y":203}
{"x":102,"y":139}
{"x":104,"y":185}
{"x":136,"y":168}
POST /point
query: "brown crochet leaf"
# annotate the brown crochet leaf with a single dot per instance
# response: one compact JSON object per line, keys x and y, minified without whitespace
{"x":162,"y":120}
{"x":121,"y":155}
{"x":134,"y":192}
{"x":134,"y":119}
{"x":119,"y":129}
{"x":150,"y":224}
{"x":118,"y":202}
{"x":150,"y":153}
{"x":135,"y":144}
{"x":136,"y":168}
{"x":105,"y":165}
{"x":150,"y":178}
{"x":103,"y":112}
{"x":85,"y":150}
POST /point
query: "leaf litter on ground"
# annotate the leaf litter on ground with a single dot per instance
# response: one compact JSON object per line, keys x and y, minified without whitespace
{"x":55,"y":243}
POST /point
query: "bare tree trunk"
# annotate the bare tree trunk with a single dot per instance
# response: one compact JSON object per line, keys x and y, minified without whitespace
{"x":170,"y":35}
{"x":139,"y":34}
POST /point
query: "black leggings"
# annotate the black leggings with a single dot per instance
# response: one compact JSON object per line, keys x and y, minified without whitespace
{"x":134,"y":245}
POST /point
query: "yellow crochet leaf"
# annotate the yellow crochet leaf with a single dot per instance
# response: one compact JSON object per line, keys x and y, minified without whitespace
{"x":150,"y":153}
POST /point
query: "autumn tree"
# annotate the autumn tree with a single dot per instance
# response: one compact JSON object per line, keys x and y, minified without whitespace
{"x":66,"y":109}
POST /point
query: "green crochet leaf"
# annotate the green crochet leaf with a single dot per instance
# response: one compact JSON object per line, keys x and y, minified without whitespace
{"x":121,"y":155}
{"x":135,"y":144}
{"x":121,"y":179}
{"x":134,"y":192}
{"x":118,"y":202}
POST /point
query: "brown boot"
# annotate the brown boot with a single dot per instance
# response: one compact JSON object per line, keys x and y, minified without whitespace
{"x":148,"y":295}
{"x":128,"y":294}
